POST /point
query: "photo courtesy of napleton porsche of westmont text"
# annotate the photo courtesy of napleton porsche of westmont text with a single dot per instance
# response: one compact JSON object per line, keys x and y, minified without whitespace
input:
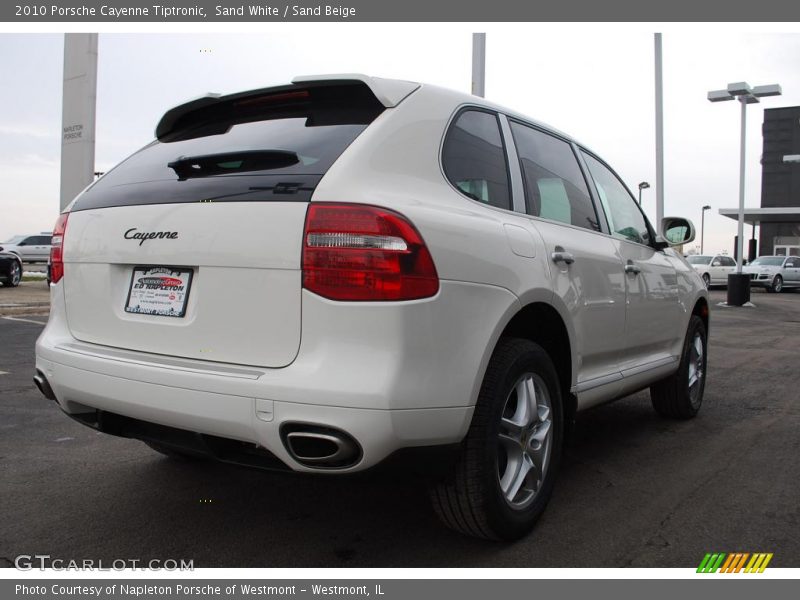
{"x":188,"y":590}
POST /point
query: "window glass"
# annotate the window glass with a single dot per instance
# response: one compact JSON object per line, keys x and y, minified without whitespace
{"x":792,"y":263}
{"x":474,"y":159}
{"x":554,"y":184}
{"x":768,"y":261}
{"x":625,"y":219}
{"x":727,"y":261}
{"x":698,"y":260}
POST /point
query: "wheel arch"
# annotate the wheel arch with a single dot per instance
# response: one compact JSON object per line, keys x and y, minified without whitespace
{"x":543,"y":324}
{"x":700,"y":309}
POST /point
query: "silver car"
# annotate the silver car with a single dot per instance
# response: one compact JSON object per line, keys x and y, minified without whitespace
{"x":774,"y":273}
{"x":30,"y":248}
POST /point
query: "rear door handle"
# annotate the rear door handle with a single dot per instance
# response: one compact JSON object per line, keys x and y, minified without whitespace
{"x":562,"y":256}
{"x":632,"y":268}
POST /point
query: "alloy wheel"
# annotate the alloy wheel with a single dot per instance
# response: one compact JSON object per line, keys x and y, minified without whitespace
{"x":525,"y":440}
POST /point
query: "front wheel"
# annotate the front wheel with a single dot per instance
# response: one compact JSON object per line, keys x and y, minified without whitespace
{"x":14,"y":275}
{"x":680,"y":395}
{"x":707,"y":280}
{"x":510,"y":456}
{"x":777,"y":284}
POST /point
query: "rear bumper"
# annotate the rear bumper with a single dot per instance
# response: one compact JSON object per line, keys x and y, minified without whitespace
{"x":415,"y":389}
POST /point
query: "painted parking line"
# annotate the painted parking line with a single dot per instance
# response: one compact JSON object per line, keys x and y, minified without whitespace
{"x":25,"y":320}
{"x":4,"y":373}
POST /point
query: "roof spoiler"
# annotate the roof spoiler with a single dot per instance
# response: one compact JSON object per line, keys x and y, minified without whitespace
{"x":389,"y":92}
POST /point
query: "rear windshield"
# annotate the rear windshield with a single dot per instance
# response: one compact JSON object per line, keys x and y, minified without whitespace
{"x":278,"y":155}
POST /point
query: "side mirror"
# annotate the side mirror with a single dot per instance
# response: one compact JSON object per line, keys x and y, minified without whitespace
{"x":716,"y":263}
{"x":677,"y":230}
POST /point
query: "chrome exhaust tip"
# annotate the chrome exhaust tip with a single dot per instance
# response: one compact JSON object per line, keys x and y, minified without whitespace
{"x":320,"y":447}
{"x":43,"y":385}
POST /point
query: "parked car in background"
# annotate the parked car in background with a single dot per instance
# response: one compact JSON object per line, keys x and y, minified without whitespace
{"x":713,"y":269}
{"x":30,"y":248}
{"x":463,"y":280}
{"x":774,"y":273}
{"x":10,"y":269}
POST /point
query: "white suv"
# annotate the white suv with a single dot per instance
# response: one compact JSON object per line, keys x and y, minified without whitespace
{"x":326,"y":275}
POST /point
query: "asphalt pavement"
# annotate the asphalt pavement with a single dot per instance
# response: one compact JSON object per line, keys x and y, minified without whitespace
{"x":634,"y":490}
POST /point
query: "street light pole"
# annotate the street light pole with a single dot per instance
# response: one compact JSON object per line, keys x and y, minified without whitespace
{"x":642,"y":186}
{"x":739,"y":284}
{"x":703,"y":226}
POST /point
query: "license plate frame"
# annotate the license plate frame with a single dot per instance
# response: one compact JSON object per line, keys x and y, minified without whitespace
{"x":152,"y":293}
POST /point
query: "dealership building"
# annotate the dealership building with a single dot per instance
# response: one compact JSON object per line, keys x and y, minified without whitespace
{"x":778,"y":219}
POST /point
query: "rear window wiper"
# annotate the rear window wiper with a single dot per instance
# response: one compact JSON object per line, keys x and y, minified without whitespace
{"x":187,"y":167}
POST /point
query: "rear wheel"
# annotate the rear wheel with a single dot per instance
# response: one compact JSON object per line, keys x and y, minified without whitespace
{"x":510,"y":456}
{"x":680,"y":395}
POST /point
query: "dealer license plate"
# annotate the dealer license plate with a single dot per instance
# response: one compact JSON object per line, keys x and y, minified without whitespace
{"x":161,"y":291}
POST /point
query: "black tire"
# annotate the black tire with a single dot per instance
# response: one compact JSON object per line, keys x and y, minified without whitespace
{"x":175,"y":453}
{"x":673,"y":397}
{"x":777,"y":284}
{"x":707,"y":280}
{"x":15,"y":275}
{"x":470,"y":499}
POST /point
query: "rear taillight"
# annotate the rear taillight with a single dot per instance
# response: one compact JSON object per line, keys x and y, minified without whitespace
{"x":358,"y":252}
{"x":57,"y":248}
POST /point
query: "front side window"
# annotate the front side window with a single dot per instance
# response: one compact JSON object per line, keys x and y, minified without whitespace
{"x":474,"y":158}
{"x":625,"y":219}
{"x":727,"y":261}
{"x":792,"y":263}
{"x":554,"y":185}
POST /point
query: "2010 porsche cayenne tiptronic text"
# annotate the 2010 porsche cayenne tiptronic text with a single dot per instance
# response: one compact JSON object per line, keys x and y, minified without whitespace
{"x":347,"y":271}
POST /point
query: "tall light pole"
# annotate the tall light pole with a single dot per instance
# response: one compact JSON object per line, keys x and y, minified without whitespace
{"x":703,"y":226}
{"x":659,"y":80}
{"x":642,"y":186}
{"x":479,"y":64}
{"x":739,"y":284}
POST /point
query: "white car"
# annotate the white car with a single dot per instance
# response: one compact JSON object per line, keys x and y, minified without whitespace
{"x":774,"y":273}
{"x":713,"y":269}
{"x":30,"y":248}
{"x":346,"y":271}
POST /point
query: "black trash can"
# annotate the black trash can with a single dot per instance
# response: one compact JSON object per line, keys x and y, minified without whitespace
{"x":738,"y":289}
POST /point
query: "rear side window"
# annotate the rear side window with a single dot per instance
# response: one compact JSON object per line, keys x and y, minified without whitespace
{"x":554,"y":185}
{"x":474,"y":158}
{"x":269,"y":147}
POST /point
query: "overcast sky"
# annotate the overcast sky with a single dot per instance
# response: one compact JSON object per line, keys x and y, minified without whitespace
{"x":595,"y":84}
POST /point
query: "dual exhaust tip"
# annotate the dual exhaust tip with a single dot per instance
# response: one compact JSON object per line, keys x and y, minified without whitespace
{"x":320,"y":447}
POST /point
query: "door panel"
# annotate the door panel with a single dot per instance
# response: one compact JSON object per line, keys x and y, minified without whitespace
{"x":653,"y":309}
{"x":592,"y":288}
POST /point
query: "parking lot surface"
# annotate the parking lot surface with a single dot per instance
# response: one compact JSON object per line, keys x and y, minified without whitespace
{"x":634,"y":491}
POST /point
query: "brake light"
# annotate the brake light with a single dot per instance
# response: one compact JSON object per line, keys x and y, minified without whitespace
{"x":57,"y":248}
{"x":359,"y":252}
